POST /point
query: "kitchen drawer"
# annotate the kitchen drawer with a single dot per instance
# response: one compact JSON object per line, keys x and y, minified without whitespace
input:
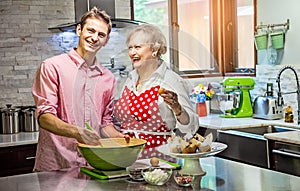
{"x":285,"y":157}
{"x":17,"y":159}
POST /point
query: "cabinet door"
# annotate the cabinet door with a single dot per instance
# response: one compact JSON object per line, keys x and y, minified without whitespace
{"x":17,"y":159}
{"x":244,"y":149}
{"x":286,"y":158}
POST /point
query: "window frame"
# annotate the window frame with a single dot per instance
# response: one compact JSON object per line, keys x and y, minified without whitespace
{"x":224,"y":41}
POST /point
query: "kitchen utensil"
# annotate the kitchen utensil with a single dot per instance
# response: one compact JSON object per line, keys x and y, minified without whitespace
{"x":115,"y":154}
{"x":30,"y":123}
{"x":157,"y":176}
{"x":162,"y":163}
{"x":236,"y":97}
{"x":277,"y":39}
{"x":89,"y":127}
{"x":184,"y":180}
{"x":272,"y":56}
{"x":103,"y":175}
{"x":226,"y":102}
{"x":261,"y":41}
{"x":21,"y":118}
{"x":1,"y":120}
{"x":10,"y":120}
{"x":266,"y":107}
{"x":191,"y":164}
{"x":135,"y":171}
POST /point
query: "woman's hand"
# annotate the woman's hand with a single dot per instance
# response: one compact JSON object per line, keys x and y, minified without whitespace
{"x":171,"y":99}
{"x":111,"y":131}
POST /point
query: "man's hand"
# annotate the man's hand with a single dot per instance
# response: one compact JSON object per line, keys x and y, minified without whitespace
{"x":88,"y":137}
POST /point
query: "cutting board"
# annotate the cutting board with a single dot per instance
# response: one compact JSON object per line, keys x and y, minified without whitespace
{"x":105,"y":175}
{"x":162,"y":163}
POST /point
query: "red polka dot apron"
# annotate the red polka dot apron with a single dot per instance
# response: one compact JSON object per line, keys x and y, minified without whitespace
{"x":139,"y":116}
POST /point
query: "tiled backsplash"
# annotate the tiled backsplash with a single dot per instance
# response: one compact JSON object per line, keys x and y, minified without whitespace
{"x":269,"y":74}
{"x":25,"y":41}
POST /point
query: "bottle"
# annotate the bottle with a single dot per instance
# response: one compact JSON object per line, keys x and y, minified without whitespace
{"x":289,"y":117}
{"x":270,"y":89}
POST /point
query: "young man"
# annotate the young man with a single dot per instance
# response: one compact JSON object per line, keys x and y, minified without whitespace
{"x":71,"y":89}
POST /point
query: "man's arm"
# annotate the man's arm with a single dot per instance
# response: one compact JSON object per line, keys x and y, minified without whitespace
{"x":55,"y":125}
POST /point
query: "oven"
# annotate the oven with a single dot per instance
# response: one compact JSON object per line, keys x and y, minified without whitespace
{"x":285,"y":158}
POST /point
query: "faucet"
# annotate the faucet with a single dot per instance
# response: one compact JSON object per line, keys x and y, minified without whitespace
{"x":280,"y":98}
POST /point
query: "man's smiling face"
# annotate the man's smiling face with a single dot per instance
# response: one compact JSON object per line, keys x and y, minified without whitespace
{"x":93,"y":35}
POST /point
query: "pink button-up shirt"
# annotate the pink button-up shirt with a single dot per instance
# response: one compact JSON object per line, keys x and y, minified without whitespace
{"x":66,"y":87}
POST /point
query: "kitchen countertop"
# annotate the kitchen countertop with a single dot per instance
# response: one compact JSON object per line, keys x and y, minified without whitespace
{"x":292,"y":137}
{"x":221,"y":174}
{"x":21,"y":138}
{"x":214,"y":121}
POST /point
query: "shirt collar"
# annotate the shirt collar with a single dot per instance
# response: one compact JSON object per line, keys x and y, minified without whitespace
{"x":162,"y":68}
{"x":160,"y":71}
{"x":79,"y":61}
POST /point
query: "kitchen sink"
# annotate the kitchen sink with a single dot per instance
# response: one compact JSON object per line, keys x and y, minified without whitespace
{"x":264,"y":130}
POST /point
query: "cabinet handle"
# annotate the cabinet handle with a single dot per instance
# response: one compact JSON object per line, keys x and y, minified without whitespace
{"x":30,"y":158}
{"x":286,"y":153}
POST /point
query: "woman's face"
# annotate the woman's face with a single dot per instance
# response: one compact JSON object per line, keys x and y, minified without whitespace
{"x":93,"y":35}
{"x":139,"y":52}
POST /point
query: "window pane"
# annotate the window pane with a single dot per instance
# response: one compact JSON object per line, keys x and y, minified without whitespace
{"x":245,"y":13}
{"x":154,"y":12}
{"x":194,"y":35}
{"x":200,"y":36}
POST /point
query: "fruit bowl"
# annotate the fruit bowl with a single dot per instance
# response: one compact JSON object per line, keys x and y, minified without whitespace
{"x":113,"y":154}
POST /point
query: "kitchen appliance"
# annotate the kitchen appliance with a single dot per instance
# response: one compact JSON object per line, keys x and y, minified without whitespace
{"x":266,"y":107}
{"x":30,"y":123}
{"x":82,"y":6}
{"x":10,"y":120}
{"x":234,"y":99}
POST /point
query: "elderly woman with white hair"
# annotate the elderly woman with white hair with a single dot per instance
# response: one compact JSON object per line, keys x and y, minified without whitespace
{"x":155,"y":100}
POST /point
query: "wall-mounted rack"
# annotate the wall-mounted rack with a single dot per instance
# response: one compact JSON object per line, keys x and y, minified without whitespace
{"x":286,"y":25}
{"x":267,"y":37}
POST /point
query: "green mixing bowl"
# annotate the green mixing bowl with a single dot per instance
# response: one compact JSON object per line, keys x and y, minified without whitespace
{"x":114,"y":154}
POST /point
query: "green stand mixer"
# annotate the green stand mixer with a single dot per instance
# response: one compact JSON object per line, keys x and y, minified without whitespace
{"x":235,"y":99}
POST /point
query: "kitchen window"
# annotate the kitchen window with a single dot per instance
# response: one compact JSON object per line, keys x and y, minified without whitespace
{"x":206,"y":37}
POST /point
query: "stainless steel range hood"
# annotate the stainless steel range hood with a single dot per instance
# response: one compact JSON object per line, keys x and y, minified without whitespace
{"x":82,"y":6}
